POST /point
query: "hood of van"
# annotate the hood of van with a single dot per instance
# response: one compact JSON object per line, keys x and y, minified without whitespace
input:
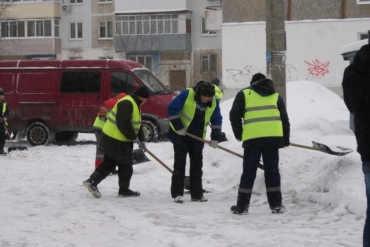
{"x":157,"y":105}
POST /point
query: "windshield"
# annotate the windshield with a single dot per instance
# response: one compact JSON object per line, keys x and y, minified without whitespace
{"x":152,"y":82}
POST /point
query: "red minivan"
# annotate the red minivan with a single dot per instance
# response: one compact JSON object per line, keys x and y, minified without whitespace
{"x":57,"y":99}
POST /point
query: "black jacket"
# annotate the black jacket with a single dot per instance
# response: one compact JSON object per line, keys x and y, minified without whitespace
{"x":264,"y":87}
{"x":356,"y":94}
{"x":118,"y":150}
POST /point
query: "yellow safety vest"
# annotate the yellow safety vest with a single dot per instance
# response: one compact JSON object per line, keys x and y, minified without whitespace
{"x":110,"y":127}
{"x":188,"y":111}
{"x":261,"y":116}
{"x":218,"y":92}
{"x":100,"y":121}
{"x":4,"y":110}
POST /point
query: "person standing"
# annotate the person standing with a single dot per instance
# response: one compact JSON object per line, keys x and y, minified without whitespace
{"x":120,"y":132}
{"x":356,"y":94}
{"x":191,"y":111}
{"x":99,"y":123}
{"x":258,"y":118}
{"x":4,"y":114}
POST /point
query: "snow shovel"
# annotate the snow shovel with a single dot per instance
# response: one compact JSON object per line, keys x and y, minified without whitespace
{"x":323,"y":148}
{"x":138,"y":156}
{"x":14,"y":147}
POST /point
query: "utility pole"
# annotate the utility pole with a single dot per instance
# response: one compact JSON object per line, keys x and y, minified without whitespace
{"x":276,"y":45}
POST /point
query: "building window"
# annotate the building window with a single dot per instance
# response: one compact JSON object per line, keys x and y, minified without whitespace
{"x":203,"y":28}
{"x":106,"y":30}
{"x":75,"y":30}
{"x":56,"y":28}
{"x":147,"y":24}
{"x":363,"y":1}
{"x":30,"y":28}
{"x":209,"y":63}
{"x":75,"y":1}
{"x":144,"y":60}
{"x":105,"y":1}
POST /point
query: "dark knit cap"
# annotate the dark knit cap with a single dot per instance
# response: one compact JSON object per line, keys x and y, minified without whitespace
{"x":257,"y":77}
{"x":1,"y":92}
{"x":142,"y":92}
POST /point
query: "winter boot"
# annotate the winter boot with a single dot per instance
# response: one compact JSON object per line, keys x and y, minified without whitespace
{"x":239,"y":210}
{"x":92,"y":184}
{"x":242,"y":205}
{"x":199,"y":199}
{"x":178,"y":199}
{"x":124,"y":190}
{"x":278,"y":209}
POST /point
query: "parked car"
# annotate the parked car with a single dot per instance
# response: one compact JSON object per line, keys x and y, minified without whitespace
{"x":57,"y":99}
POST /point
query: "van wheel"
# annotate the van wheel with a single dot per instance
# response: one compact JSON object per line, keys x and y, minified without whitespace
{"x":149,"y":130}
{"x":38,"y":134}
{"x":66,"y":136}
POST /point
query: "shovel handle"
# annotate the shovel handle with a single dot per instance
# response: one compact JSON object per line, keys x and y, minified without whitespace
{"x":303,"y":146}
{"x":220,"y":147}
{"x":155,"y":157}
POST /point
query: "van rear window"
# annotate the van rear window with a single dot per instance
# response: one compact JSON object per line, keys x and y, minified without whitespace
{"x":81,"y":82}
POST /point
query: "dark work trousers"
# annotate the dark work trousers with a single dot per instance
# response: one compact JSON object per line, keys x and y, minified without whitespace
{"x":125,"y":171}
{"x":195,"y":150}
{"x":2,"y":137}
{"x":270,"y":158}
{"x":99,"y":155}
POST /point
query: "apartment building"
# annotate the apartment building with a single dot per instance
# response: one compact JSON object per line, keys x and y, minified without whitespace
{"x":30,"y":29}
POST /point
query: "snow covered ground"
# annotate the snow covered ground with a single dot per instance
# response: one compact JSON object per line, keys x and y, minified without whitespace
{"x":44,"y":203}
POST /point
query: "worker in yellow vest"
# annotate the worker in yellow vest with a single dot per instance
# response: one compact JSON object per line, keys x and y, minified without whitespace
{"x":4,"y":114}
{"x":99,"y":123}
{"x":120,"y":132}
{"x":191,"y":111}
{"x":259,"y":119}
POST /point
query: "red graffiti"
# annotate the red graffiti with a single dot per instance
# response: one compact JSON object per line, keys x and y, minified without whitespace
{"x":318,"y":69}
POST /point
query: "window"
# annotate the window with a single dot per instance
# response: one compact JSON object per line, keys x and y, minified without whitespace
{"x":56,"y":28}
{"x":204,"y":31}
{"x":209,"y":63}
{"x":81,"y":82}
{"x":147,"y":24}
{"x":75,"y":30}
{"x":105,"y":1}
{"x":363,"y":1}
{"x":144,"y":60}
{"x":75,"y":1}
{"x":106,"y":29}
{"x":34,"y":28}
{"x":122,"y":82}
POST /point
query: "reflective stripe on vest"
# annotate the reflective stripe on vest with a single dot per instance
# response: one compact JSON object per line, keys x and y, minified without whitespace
{"x":188,"y":111}
{"x":110,"y":127}
{"x":218,"y":92}
{"x":261,"y":116}
{"x":4,"y":110}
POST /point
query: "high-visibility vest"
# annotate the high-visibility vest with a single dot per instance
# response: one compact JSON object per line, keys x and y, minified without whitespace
{"x":4,"y":110}
{"x":104,"y":110}
{"x":110,"y":127}
{"x":218,"y":92}
{"x":188,"y":111}
{"x":261,"y":116}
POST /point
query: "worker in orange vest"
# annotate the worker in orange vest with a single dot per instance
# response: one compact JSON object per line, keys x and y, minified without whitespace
{"x":99,"y":123}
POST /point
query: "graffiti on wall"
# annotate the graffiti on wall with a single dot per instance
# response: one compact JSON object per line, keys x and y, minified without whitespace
{"x":317,"y":68}
{"x":243,"y":75}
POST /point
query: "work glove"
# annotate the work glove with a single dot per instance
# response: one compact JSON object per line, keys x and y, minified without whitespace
{"x":136,"y":140}
{"x":142,"y":146}
{"x":286,"y":143}
{"x":213,"y":143}
{"x":238,"y":140}
{"x":4,"y":119}
{"x":181,"y":132}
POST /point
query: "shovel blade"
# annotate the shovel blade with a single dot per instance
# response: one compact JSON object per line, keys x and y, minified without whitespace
{"x":139,"y":156}
{"x":10,"y":149}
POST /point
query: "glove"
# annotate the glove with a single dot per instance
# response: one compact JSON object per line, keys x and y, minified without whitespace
{"x":4,"y":119}
{"x":181,"y":132}
{"x":213,"y":143}
{"x":286,"y":142}
{"x":136,"y":140}
{"x":238,"y":140}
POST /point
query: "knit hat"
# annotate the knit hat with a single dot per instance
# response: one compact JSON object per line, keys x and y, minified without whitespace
{"x":1,"y":92}
{"x":207,"y":89}
{"x":257,"y":77}
{"x":142,"y":92}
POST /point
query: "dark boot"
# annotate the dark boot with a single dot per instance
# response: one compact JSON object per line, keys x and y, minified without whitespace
{"x":124,"y":189}
{"x":92,"y":184}
{"x":242,"y":205}
{"x":274,"y":199}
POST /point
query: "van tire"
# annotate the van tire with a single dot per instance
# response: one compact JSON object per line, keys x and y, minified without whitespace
{"x":38,"y":134}
{"x":149,"y":130}
{"x":65,"y":136}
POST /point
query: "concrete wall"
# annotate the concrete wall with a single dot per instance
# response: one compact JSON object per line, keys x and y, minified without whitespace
{"x":313,"y":50}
